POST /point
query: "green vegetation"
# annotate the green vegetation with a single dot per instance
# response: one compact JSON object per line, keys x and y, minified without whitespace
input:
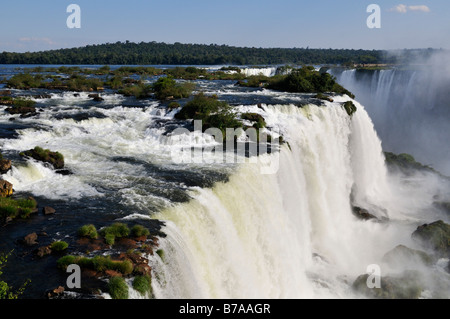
{"x":13,"y":208}
{"x":139,"y":230}
{"x":349,"y":107}
{"x":59,"y":246}
{"x":114,"y":231}
{"x":306,"y":80}
{"x":255,"y":117}
{"x":45,"y":155}
{"x":88,"y":231}
{"x":139,"y":91}
{"x":160,"y":253}
{"x":97,"y":263}
{"x":6,"y":291}
{"x":405,"y":162}
{"x":143,"y":284}
{"x":21,"y":102}
{"x":212,"y":113}
{"x":435,"y":236}
{"x":129,"y":53}
{"x":167,"y":88}
{"x":118,"y":288}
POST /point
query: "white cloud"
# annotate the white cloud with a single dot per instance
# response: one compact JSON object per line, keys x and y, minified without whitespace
{"x":422,"y":8}
{"x":36,"y":40}
{"x":402,"y":8}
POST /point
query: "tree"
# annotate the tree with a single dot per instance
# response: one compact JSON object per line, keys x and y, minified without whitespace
{"x":6,"y":291}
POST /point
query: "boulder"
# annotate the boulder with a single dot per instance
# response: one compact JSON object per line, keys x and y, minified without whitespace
{"x":5,"y":166}
{"x":30,"y":239}
{"x":23,"y":110}
{"x":435,"y":236}
{"x":406,"y":257}
{"x":44,"y":155}
{"x":6,"y":188}
{"x":55,"y":293}
{"x":43,"y":251}
{"x":47,"y":210}
{"x":407,"y":285}
{"x":362,"y":213}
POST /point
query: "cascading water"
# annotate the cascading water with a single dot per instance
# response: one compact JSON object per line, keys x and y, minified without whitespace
{"x":290,"y":234}
{"x":410,"y":109}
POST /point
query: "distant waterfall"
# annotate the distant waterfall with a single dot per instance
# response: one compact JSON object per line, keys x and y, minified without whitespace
{"x":410,"y":110}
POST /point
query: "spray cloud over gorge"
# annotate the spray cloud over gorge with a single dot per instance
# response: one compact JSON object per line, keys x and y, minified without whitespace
{"x":409,"y":105}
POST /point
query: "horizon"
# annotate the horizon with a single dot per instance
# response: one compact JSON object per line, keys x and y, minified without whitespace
{"x":245,"y":47}
{"x":42,"y":26}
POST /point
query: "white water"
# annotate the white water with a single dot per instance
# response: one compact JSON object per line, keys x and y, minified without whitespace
{"x":289,"y":234}
{"x":269,"y":71}
{"x":410,"y":109}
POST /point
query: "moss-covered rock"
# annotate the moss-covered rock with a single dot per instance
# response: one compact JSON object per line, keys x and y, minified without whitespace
{"x":45,"y":155}
{"x":405,"y":257}
{"x":435,"y":236}
{"x":349,"y":107}
{"x":406,"y":286}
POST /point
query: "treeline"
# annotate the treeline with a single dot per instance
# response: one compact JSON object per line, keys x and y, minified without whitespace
{"x":129,"y":53}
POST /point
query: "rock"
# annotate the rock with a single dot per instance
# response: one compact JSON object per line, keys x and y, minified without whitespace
{"x":96,"y":97}
{"x":24,"y":110}
{"x":5,"y":166}
{"x":43,"y":155}
{"x":55,"y":292}
{"x":406,"y":286}
{"x":142,"y":269}
{"x":405,"y":257}
{"x":6,"y":188}
{"x":435,"y":236}
{"x":30,"y":239}
{"x":43,"y":251}
{"x":63,"y":172}
{"x":47,"y":210}
{"x":5,"y":93}
{"x":362,"y":213}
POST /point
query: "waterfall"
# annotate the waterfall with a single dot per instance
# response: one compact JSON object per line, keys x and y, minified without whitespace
{"x":410,"y":109}
{"x":289,"y":234}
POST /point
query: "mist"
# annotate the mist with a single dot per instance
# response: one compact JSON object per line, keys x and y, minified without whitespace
{"x":409,"y":106}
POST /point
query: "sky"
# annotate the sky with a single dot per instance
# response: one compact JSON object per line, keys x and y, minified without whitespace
{"x":338,"y":24}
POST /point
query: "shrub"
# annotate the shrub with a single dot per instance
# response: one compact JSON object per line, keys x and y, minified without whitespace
{"x":200,"y":107}
{"x":349,"y":107}
{"x":16,"y":207}
{"x":139,"y":91}
{"x":139,"y":230}
{"x":88,"y":231}
{"x":167,"y":87}
{"x":116,"y":229}
{"x":110,"y":239}
{"x":65,"y":261}
{"x":21,"y":102}
{"x":118,"y":288}
{"x":59,"y":246}
{"x":143,"y":284}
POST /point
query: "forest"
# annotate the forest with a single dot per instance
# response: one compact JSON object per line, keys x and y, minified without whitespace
{"x":155,"y":53}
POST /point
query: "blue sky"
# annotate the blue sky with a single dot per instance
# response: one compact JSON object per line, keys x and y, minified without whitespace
{"x":41,"y":25}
